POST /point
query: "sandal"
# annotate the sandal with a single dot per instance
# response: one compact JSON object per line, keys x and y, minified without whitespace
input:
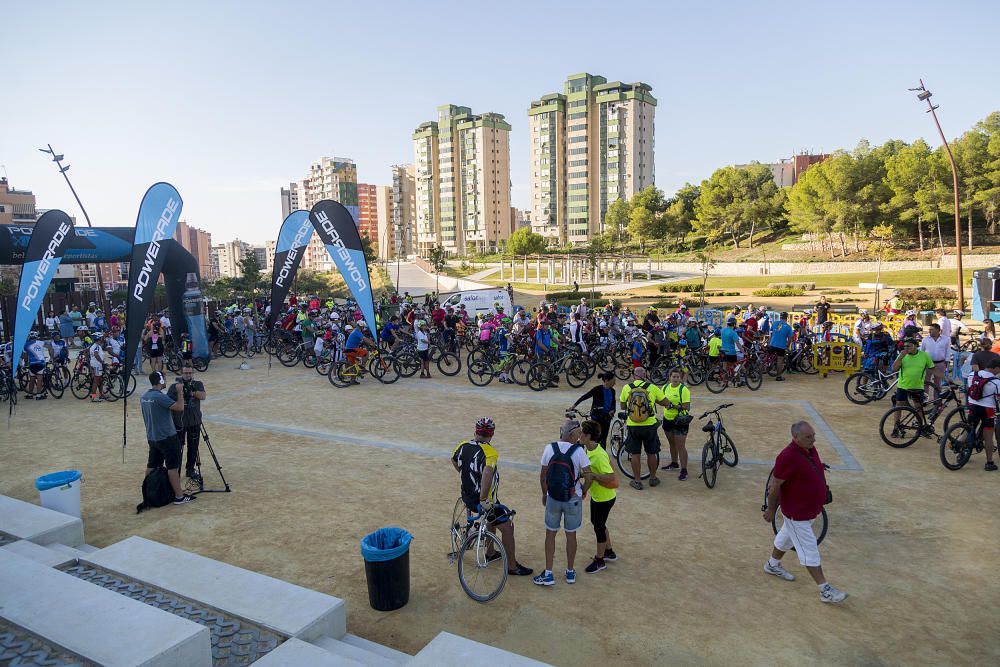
{"x":636,"y":484}
{"x":654,"y":481}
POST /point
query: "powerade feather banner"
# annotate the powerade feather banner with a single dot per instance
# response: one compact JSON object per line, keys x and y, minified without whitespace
{"x":158,"y":215}
{"x":41,"y":259}
{"x":294,"y":236}
{"x":336,"y":228}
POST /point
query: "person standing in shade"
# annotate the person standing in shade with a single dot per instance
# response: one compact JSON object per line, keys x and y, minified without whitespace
{"x":798,"y":486}
{"x":423,"y":350}
{"x":602,"y":404}
{"x":164,"y":448}
{"x":602,"y":494}
{"x":780,"y":336}
{"x":677,"y":402}
{"x":188,"y":422}
{"x":822,"y":310}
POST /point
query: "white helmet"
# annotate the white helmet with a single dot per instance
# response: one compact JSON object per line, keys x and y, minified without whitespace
{"x":362,"y":324}
{"x":348,"y":328}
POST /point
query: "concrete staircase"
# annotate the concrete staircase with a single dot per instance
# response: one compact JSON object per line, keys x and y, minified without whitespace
{"x":139,"y":602}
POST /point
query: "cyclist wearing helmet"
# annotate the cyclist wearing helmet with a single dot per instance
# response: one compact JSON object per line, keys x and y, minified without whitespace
{"x":357,"y":340}
{"x":476,"y":462}
{"x":731,"y":343}
{"x":36,"y":357}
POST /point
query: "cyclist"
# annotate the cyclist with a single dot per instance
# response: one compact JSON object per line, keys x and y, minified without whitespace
{"x":602,"y":404}
{"x":778,"y":344}
{"x":714,"y":348}
{"x":423,"y":349}
{"x":602,"y":494}
{"x":983,"y":409}
{"x":677,"y":402}
{"x":638,"y":399}
{"x":98,"y":359}
{"x":912,"y":365}
{"x":36,"y":357}
{"x":476,"y":462}
{"x":731,"y":343}
{"x":357,"y":339}
{"x":58,"y":349}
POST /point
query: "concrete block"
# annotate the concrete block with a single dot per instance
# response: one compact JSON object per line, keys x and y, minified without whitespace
{"x":37,"y":524}
{"x":297,"y":653}
{"x":95,"y":623}
{"x":87,"y":548}
{"x":356,"y":653}
{"x":285,"y":608}
{"x":65,"y":550}
{"x":38,"y":553}
{"x":386,"y":652}
{"x":448,"y":650}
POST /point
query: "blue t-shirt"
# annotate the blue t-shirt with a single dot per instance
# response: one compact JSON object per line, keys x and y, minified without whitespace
{"x":729,"y":337}
{"x":36,"y":352}
{"x":388,"y":329}
{"x":59,"y":350}
{"x":779,"y":337}
{"x":543,"y":337}
{"x":354,"y":340}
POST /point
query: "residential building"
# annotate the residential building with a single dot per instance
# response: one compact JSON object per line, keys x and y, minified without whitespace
{"x":260,"y":252}
{"x":518,"y":219}
{"x":199,"y":243}
{"x":368,"y":212}
{"x":294,"y":198}
{"x":404,"y":209}
{"x":229,"y":255}
{"x":16,"y":206}
{"x":329,"y":178}
{"x":590,"y":145}
{"x":786,"y":172}
{"x":384,"y":226}
{"x":462,"y":181}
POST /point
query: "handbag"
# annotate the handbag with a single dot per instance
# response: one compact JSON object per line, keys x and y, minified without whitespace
{"x":829,"y":493}
{"x":684,"y":419}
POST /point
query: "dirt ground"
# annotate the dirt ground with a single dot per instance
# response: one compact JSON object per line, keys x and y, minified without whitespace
{"x":313,"y":468}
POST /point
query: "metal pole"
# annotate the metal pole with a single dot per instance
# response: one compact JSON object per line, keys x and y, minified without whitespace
{"x":925,"y":96}
{"x":62,"y":170}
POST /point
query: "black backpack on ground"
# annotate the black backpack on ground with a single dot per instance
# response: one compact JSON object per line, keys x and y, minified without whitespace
{"x":560,"y":474}
{"x":156,"y":490}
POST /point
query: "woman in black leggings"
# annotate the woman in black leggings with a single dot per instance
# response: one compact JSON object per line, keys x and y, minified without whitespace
{"x":602,"y":404}
{"x":602,"y":494}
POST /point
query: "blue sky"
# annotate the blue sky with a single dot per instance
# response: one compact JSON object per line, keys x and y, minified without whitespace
{"x":229,"y":100}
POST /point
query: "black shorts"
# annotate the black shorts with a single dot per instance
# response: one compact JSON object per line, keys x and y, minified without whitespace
{"x":780,"y":351}
{"x":901,"y":396}
{"x":424,"y":355}
{"x":638,"y":438}
{"x":671,"y":428}
{"x":730,"y":358}
{"x":166,"y":453}
{"x":36,"y":369}
{"x":152,"y":354}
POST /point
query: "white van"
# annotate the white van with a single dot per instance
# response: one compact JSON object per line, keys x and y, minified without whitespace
{"x":480,"y":301}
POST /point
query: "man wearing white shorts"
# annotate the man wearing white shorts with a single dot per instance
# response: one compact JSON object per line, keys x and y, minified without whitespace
{"x":799,"y":487}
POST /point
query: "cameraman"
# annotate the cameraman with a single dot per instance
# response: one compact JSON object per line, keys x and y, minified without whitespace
{"x":188,"y":422}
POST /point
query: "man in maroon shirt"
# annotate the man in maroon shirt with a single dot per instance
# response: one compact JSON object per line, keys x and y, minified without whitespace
{"x":799,"y":485}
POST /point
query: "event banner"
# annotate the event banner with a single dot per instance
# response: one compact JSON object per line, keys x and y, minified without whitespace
{"x":336,"y":228}
{"x":41,"y":259}
{"x":293,"y":237}
{"x":158,"y":214}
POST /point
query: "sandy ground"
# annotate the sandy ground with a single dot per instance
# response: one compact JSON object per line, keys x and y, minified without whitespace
{"x":314,"y":468}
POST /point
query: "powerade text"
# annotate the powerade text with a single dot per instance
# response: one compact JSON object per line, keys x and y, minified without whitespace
{"x":353,"y":271}
{"x":153,"y":250}
{"x":293,"y":252}
{"x":43,"y":266}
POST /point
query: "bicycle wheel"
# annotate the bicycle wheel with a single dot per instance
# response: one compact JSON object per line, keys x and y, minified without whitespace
{"x":309,"y":360}
{"x":956,"y":446}
{"x":577,"y":373}
{"x":387,"y":372}
{"x":458,"y":523}
{"x":288,"y":355}
{"x":960,"y":413}
{"x":753,"y":379}
{"x":482,"y":579}
{"x":248,"y":350}
{"x":480,"y":373}
{"x":727,"y":450}
{"x":709,"y":464}
{"x":336,"y":375}
{"x":623,"y":370}
{"x":53,"y":386}
{"x":715,"y":382}
{"x":229,"y":348}
{"x":805,"y":364}
{"x":22,"y":378}
{"x":625,"y":463}
{"x":173,"y":362}
{"x":409,"y":364}
{"x":519,"y":371}
{"x":60,"y":376}
{"x":903,"y":434}
{"x":539,"y":377}
{"x":696,"y":373}
{"x":616,"y":437}
{"x":200,"y":364}
{"x":80,"y":383}
{"x":128,"y":384}
{"x":821,"y":522}
{"x":323,"y":366}
{"x":449,"y":364}
{"x":111,"y":387}
{"x":862,"y":388}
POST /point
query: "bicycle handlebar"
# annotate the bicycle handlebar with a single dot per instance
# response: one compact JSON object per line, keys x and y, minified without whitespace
{"x":721,"y":407}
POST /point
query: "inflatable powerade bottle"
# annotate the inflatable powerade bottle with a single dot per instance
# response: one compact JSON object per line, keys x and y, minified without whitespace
{"x":194,"y":316}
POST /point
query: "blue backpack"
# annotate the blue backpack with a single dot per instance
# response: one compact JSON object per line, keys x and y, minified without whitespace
{"x":560,"y":475}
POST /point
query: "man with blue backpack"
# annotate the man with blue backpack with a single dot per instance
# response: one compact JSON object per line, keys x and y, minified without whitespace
{"x":565,"y":479}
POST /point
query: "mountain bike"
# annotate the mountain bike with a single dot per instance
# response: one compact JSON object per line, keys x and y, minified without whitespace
{"x":543,"y":373}
{"x":779,"y":518}
{"x":481,"y":558}
{"x":383,"y":367}
{"x":959,"y":443}
{"x":617,"y":432}
{"x":743,"y":373}
{"x":719,"y":448}
{"x":870,"y":385}
{"x":913,"y":423}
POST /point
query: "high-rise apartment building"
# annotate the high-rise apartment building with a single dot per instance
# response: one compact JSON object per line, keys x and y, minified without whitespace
{"x":333,"y":178}
{"x":230,"y":254}
{"x":294,"y":198}
{"x":462,"y":181}
{"x":385,"y":246}
{"x":199,"y":243}
{"x":404,"y":210}
{"x":368,"y":212}
{"x":590,"y":145}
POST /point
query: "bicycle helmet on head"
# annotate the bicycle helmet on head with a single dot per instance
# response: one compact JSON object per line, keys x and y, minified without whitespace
{"x":485,"y":426}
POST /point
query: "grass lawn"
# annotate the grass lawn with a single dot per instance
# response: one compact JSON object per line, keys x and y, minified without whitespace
{"x":917,"y":278}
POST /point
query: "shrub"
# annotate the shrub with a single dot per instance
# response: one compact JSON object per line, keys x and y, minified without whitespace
{"x":569,"y":303}
{"x":798,"y":286}
{"x":674,"y":288}
{"x":576,"y":296}
{"x":779,"y":291}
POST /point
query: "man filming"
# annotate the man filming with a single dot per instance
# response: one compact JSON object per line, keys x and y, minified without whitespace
{"x":188,"y":421}
{"x":164,"y":449}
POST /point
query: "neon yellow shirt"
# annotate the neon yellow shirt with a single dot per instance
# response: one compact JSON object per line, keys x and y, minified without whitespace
{"x":679,"y":394}
{"x":714,"y":346}
{"x":600,"y":464}
{"x":654,"y":395}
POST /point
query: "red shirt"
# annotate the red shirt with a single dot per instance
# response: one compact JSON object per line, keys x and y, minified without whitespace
{"x":438,"y":316}
{"x":293,"y":300}
{"x":804,"y":490}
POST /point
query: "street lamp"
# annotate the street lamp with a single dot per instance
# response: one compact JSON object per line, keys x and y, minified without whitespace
{"x":58,"y":158}
{"x":924,"y":95}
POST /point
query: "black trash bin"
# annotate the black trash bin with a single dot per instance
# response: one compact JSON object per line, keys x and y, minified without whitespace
{"x":387,"y":567}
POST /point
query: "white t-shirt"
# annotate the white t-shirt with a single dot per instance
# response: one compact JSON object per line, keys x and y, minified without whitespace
{"x":989,"y":399}
{"x":580,"y":461}
{"x":96,"y":356}
{"x":165,"y":323}
{"x":945,"y":325}
{"x":940,"y":349}
{"x":422,"y":341}
{"x":318,"y":345}
{"x":116,"y":347}
{"x":956,"y":326}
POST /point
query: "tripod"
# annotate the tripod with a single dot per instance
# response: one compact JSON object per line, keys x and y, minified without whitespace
{"x":218,"y":466}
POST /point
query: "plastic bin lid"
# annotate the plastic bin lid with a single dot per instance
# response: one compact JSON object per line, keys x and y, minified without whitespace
{"x":56,"y":479}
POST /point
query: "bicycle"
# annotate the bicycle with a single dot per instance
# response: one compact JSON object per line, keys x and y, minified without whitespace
{"x":479,"y":553}
{"x":744,"y":373}
{"x":483,"y":369}
{"x":779,"y":518}
{"x":959,"y":443}
{"x":871,"y":385}
{"x":382,"y":367}
{"x":617,"y":433}
{"x":913,"y":423}
{"x":544,"y":373}
{"x":719,"y":448}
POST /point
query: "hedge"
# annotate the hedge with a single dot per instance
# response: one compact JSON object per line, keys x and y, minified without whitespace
{"x":801,"y":286}
{"x":779,"y":291}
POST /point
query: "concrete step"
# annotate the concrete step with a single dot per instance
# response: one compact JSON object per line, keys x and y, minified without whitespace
{"x":297,"y":653}
{"x":39,"y":554}
{"x":73,"y":552}
{"x":96,"y":624}
{"x":87,"y":548}
{"x":287,"y":609}
{"x":386,"y":652}
{"x":37,"y":524}
{"x":352,"y":652}
{"x":448,"y":650}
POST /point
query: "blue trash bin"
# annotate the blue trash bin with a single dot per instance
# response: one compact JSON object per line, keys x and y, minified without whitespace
{"x":387,"y":567}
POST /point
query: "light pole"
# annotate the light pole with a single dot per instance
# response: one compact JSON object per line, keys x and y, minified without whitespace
{"x":58,"y":158}
{"x":924,"y":95}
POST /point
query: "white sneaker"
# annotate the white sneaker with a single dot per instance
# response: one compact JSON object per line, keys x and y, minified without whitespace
{"x":778,"y":571}
{"x":831,"y":594}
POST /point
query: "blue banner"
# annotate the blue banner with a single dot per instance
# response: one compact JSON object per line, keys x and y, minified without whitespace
{"x":41,"y":260}
{"x":295,"y":233}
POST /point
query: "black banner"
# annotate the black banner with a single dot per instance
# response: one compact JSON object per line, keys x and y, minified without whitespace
{"x":293,"y":238}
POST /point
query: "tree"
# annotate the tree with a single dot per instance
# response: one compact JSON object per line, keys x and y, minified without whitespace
{"x":438,"y":262}
{"x":707,"y":263}
{"x":310,"y":282}
{"x":989,"y":196}
{"x":525,"y":242}
{"x":250,"y":268}
{"x":642,"y":224}
{"x":881,"y":238}
{"x":371,"y":252}
{"x":735,"y":201}
{"x":906,"y":173}
{"x":616,"y":219}
{"x":679,"y":215}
